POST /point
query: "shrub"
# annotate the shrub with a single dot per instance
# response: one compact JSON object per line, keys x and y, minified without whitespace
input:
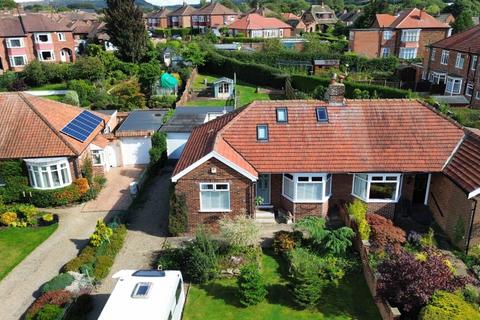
{"x":102,"y":267}
{"x":384,"y":233}
{"x":408,"y":283}
{"x":59,"y":282}
{"x":83,"y":305}
{"x":54,"y":198}
{"x":158,"y":102}
{"x":201,"y":258}
{"x":84,"y":90}
{"x":71,"y":97}
{"x":448,"y":306}
{"x":89,"y":68}
{"x":7,"y":79}
{"x":87,"y":170}
{"x":50,"y":312}
{"x":27,"y":212}
{"x":251,"y":288}
{"x":82,"y":185}
{"x":159,"y":148}
{"x":239,"y":231}
{"x":86,"y":257}
{"x":284,"y":241}
{"x":358,"y":210}
{"x":172,"y":259}
{"x":47,"y":217}
{"x":34,"y":74}
{"x":102,"y":233}
{"x":8,"y":218}
{"x":178,"y":214}
{"x":428,"y":239}
{"x":470,"y":294}
{"x":58,"y":298}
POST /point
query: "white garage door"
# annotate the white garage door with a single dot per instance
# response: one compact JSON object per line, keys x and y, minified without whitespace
{"x":135,"y":150}
{"x":175,"y":143}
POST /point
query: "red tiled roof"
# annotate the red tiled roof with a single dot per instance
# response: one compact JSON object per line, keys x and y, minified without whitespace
{"x":363,"y":136}
{"x":184,"y":10}
{"x":467,"y":41}
{"x":254,"y":21}
{"x":162,"y":13}
{"x":290,"y":16}
{"x":464,"y":167}
{"x":410,"y":19}
{"x":214,"y":8}
{"x":30,"y":127}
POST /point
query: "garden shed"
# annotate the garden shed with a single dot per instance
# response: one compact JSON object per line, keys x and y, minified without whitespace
{"x":167,"y":85}
{"x":223,"y":88}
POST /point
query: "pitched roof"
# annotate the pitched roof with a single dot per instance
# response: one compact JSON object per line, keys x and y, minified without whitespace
{"x":18,"y":26}
{"x":215,"y":8}
{"x":410,"y":19}
{"x":363,"y":136}
{"x":464,"y":166}
{"x":30,"y":127}
{"x":290,"y":16}
{"x":162,"y":13}
{"x":184,"y":10}
{"x":254,"y":21}
{"x":262,"y":11}
{"x":467,"y":41}
{"x":11,"y":27}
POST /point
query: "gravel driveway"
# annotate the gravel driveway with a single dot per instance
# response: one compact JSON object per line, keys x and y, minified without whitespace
{"x":147,"y":231}
{"x":18,"y":288}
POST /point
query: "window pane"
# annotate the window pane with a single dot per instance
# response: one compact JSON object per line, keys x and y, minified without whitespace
{"x":215,"y":200}
{"x":328,"y":188}
{"x":65,"y":176}
{"x":282,"y":115}
{"x":38,"y":178}
{"x":55,"y":176}
{"x":45,"y":178}
{"x":288,"y":187}
{"x":382,"y":191}
{"x":262,"y":132}
{"x":303,"y":179}
{"x":359,"y":187}
{"x":222,"y":186}
{"x":206,"y":186}
{"x":309,"y":191}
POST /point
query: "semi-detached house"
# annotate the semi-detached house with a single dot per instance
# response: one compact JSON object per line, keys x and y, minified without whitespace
{"x":29,"y":37}
{"x":309,"y":157}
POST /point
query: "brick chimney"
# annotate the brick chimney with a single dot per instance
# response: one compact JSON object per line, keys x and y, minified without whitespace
{"x":335,"y":95}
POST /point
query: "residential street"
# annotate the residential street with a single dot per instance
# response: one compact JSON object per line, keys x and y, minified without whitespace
{"x":147,"y":230}
{"x":18,"y":289}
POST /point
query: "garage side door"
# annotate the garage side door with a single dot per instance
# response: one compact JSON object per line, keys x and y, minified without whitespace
{"x":135,"y":150}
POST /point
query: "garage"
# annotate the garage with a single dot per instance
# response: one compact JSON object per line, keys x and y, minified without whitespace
{"x":175,"y":143}
{"x":135,"y":150}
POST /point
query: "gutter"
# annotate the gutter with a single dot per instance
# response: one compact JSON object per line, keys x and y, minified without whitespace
{"x":470,"y":231}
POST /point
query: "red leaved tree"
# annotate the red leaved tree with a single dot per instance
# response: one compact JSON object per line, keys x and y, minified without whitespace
{"x":384,"y":234}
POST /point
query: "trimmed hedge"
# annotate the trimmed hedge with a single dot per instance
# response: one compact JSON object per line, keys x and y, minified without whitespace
{"x":60,"y":282}
{"x":229,"y":40}
{"x":249,"y":72}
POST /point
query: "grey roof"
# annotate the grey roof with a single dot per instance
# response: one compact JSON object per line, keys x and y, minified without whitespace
{"x":322,"y":62}
{"x":223,"y":79}
{"x":457,"y":99}
{"x":187,"y":118}
{"x":143,"y":120}
{"x":227,"y":46}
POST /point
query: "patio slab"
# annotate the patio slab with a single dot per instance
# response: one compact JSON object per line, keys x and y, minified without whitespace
{"x":116,"y":194}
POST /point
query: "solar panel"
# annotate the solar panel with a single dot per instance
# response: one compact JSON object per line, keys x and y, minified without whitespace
{"x":82,"y":126}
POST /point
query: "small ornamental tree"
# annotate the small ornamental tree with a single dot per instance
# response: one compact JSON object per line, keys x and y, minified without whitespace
{"x":448,"y":306}
{"x":408,"y":282}
{"x":358,"y":210}
{"x":102,"y":233}
{"x":178,"y":215}
{"x":251,"y":288}
{"x":384,"y":234}
{"x":240,"y":231}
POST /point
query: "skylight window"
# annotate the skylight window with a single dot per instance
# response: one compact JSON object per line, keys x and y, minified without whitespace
{"x":262,"y":132}
{"x":282,"y":115}
{"x":141,"y":290}
{"x":322,"y":115}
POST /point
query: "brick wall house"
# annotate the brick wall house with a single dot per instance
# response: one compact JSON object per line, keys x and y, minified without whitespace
{"x":405,"y":36}
{"x":254,"y":25}
{"x":30,"y":37}
{"x":308,"y":157}
{"x":158,"y":19}
{"x":181,"y":18}
{"x":451,"y":66}
{"x":213,"y":15}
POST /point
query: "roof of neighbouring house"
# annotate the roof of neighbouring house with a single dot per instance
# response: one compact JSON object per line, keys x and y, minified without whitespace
{"x":262,"y":11}
{"x":18,"y":26}
{"x":464,"y":166}
{"x":409,"y":19}
{"x":254,"y":21}
{"x":30,"y":127}
{"x":186,"y":118}
{"x":184,"y":10}
{"x":362,"y":136}
{"x":214,"y":8}
{"x":142,"y":121}
{"x":162,"y":13}
{"x":311,"y":15}
{"x":223,"y":79}
{"x":466,"y":41}
{"x":323,"y":62}
{"x":349,"y":16}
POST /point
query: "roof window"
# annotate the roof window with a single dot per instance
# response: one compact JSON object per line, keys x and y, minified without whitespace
{"x":322,"y":115}
{"x":141,"y":290}
{"x":262,"y":132}
{"x":282,"y":115}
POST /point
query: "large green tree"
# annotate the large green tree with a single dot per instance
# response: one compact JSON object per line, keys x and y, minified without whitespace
{"x":126,"y":28}
{"x":463,"y":21}
{"x":368,"y":17}
{"x":7,"y":4}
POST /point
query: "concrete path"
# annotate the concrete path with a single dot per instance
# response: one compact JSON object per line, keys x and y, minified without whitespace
{"x":147,"y":231}
{"x":19,"y":288}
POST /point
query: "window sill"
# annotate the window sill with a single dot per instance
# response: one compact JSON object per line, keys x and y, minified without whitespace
{"x":215,"y":211}
{"x":374,"y":200}
{"x":305,"y":201}
{"x":52,"y":188}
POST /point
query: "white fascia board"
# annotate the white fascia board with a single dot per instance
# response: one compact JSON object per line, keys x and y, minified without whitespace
{"x":474,"y":193}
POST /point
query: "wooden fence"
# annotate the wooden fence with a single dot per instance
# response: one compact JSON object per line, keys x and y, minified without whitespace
{"x":185,"y":97}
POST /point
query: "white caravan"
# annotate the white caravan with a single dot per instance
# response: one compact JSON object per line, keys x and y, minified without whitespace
{"x":146,"y":295}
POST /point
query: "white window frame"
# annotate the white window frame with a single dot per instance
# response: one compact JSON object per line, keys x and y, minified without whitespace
{"x":437,"y":77}
{"x":474,"y":63}
{"x":326,"y":186}
{"x":410,"y":35}
{"x":412,"y":53}
{"x":460,"y":61}
{"x":9,"y":44}
{"x":453,"y":80}
{"x":385,"y":52}
{"x":37,"y":167}
{"x":61,"y":36}
{"x":477,"y":95}
{"x":40,"y":58}
{"x":387,"y":35}
{"x":100,"y":153}
{"x":432,"y":54}
{"x":12,"y":60}
{"x":445,"y":57}
{"x":369,"y":180}
{"x":215,"y":184}
{"x":469,"y":87}
{"x":37,"y":37}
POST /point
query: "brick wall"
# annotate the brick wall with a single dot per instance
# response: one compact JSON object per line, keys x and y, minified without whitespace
{"x":365,"y":43}
{"x":241,"y":192}
{"x":427,"y":37}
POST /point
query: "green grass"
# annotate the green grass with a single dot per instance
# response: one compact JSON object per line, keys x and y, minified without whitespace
{"x":51,"y":86}
{"x":17,"y":243}
{"x":218,"y":301}
{"x":245,"y":90}
{"x":55,"y":97}
{"x":468,"y":117}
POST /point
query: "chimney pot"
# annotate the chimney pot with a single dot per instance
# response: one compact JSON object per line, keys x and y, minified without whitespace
{"x":335,"y":94}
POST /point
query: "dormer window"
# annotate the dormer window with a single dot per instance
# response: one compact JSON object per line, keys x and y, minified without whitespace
{"x":262,"y":132}
{"x":322,"y":115}
{"x":282,"y":115}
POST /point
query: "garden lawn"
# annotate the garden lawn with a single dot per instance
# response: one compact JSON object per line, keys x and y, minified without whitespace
{"x":51,"y":86}
{"x":17,"y":243}
{"x":55,"y":97}
{"x":217,"y":300}
{"x":246,"y":91}
{"x":468,"y":117}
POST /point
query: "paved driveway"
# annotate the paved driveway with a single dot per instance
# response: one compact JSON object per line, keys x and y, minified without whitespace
{"x":147,"y":230}
{"x":18,"y":288}
{"x":116,"y":194}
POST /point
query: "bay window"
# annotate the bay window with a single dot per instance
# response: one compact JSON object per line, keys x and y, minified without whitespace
{"x":48,"y":173}
{"x":454,"y":85}
{"x":214,"y":197}
{"x":307,"y":187}
{"x":376,"y":187}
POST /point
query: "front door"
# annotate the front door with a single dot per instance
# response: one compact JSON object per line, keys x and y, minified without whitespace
{"x":263,"y":188}
{"x":420,"y":188}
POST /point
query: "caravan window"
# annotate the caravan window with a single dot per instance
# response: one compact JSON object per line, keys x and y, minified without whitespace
{"x":141,"y":290}
{"x":179,"y":291}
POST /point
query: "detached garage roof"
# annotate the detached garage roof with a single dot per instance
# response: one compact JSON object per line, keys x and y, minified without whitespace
{"x":141,"y":122}
{"x":187,"y":118}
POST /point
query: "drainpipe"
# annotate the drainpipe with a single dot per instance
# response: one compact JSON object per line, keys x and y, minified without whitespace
{"x":470,"y":231}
